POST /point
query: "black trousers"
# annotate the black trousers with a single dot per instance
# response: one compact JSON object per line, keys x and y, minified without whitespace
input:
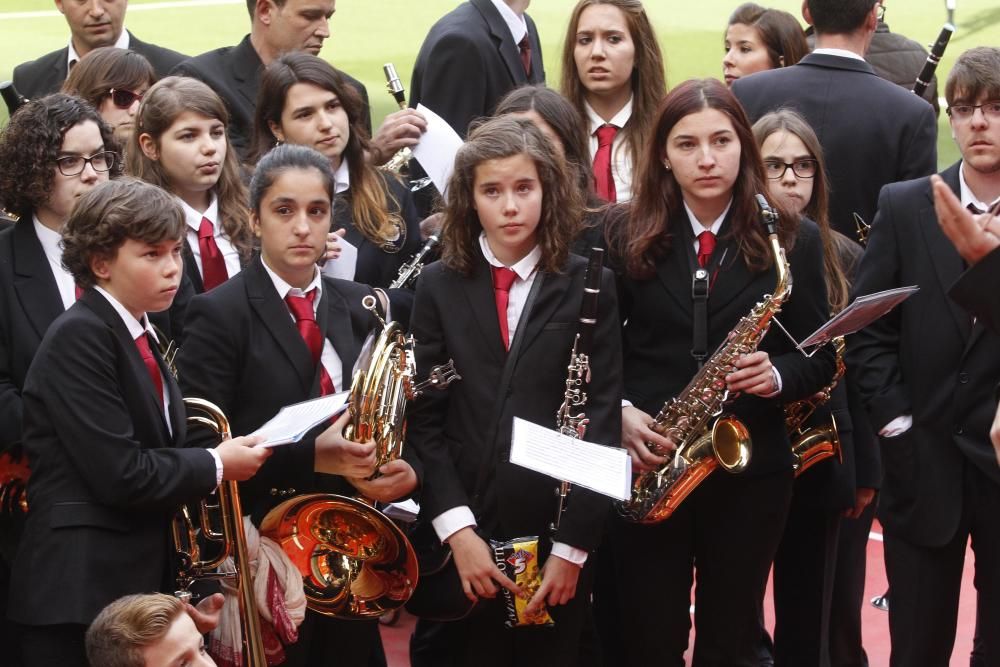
{"x":53,"y":645}
{"x":925,"y":582}
{"x":329,"y":642}
{"x":849,"y":590}
{"x":722,"y":539}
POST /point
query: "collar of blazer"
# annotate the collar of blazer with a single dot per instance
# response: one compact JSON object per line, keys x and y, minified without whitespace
{"x":836,"y":62}
{"x":948,"y":264}
{"x":731,"y":278}
{"x":33,"y":280}
{"x":106,"y":312}
{"x":508,"y":50}
{"x":247,"y":68}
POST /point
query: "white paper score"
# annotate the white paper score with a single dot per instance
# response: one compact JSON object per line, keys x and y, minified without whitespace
{"x":606,"y":470}
{"x":342,"y":267}
{"x":437,"y":148}
{"x":293,"y":421}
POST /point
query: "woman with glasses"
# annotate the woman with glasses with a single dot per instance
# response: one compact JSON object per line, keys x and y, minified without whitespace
{"x":52,"y":151}
{"x":807,"y":574}
{"x":113,"y":81}
{"x":759,"y":39}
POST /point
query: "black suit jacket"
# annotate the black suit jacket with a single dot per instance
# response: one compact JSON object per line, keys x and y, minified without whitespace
{"x":872,"y":131}
{"x":455,"y":317}
{"x":41,"y":77}
{"x":925,"y":359}
{"x":468,"y":61}
{"x":244,"y":353}
{"x":234,"y":73}
{"x":658,"y":333}
{"x":976,"y":290}
{"x":107,"y":475}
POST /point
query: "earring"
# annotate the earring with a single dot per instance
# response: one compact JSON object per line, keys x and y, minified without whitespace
{"x":666,"y":165}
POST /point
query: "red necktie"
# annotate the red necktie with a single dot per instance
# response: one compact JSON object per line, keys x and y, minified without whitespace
{"x":706,"y":246}
{"x":305,"y":320}
{"x":524,"y":46}
{"x":213,"y":267}
{"x":142,"y":342}
{"x":503,"y":278}
{"x":603,"y":180}
{"x":77,"y":292}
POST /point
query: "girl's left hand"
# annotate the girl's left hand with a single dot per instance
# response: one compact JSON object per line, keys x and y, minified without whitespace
{"x":333,"y":244}
{"x":754,"y":375}
{"x":398,"y":479}
{"x":559,"y":577}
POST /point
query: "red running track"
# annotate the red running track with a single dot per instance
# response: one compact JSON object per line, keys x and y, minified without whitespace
{"x":876,"y":622}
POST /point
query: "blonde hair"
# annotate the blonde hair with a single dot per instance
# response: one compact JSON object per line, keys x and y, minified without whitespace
{"x":128,"y":625}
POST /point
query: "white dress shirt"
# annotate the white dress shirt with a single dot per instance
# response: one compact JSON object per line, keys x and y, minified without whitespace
{"x":843,"y":53}
{"x":621,"y":156}
{"x":230,"y":254}
{"x":329,"y":358}
{"x":51,"y":245}
{"x":451,"y":521}
{"x":515,"y":22}
{"x":72,"y":57}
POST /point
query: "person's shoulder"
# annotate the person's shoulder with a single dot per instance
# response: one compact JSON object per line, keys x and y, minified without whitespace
{"x":350,"y":291}
{"x":159,"y":56}
{"x":27,"y":74}
{"x":225,"y":298}
{"x":906,"y":189}
{"x":208,"y":61}
{"x":79,"y":327}
{"x":464,"y":24}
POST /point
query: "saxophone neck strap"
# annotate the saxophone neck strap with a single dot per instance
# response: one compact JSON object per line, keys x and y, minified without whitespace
{"x":699,"y":332}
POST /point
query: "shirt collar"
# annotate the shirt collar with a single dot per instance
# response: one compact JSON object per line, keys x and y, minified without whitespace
{"x":342,"y":177}
{"x":284,"y":289}
{"x":967,"y":195}
{"x":135,"y":327}
{"x":524,"y":268}
{"x":698,"y":228}
{"x":193,"y":217}
{"x":618,"y":120}
{"x":72,"y":56}
{"x":516,"y":24}
{"x":49,"y":239}
{"x":843,"y":53}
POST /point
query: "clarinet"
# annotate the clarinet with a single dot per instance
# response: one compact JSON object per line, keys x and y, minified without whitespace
{"x":933,"y":58}
{"x":14,"y":99}
{"x":578,"y":376}
{"x":409,"y":271}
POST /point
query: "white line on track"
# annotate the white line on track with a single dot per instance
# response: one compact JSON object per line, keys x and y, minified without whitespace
{"x":149,"y":6}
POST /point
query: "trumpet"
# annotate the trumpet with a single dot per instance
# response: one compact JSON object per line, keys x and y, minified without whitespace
{"x":409,"y":271}
{"x":230,"y":537}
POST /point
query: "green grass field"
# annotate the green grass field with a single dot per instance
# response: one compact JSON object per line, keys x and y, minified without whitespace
{"x":368,"y":33}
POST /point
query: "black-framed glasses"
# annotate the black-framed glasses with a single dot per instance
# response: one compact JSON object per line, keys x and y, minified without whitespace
{"x":880,"y":12}
{"x":805,"y":168}
{"x":123,"y":99}
{"x":73,"y":165}
{"x":991,"y":109}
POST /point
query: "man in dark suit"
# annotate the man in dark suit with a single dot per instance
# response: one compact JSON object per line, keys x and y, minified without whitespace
{"x":92,"y":24}
{"x":472,"y":57}
{"x":234,"y":72}
{"x":927,"y":373}
{"x":873,"y":132}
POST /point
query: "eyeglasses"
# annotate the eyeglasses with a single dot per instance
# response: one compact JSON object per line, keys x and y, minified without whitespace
{"x":805,"y":168}
{"x":72,"y":165}
{"x":991,"y":109}
{"x":880,"y":12}
{"x":123,"y":99}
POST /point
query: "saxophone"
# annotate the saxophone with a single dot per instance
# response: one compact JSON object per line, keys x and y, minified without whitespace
{"x":705,"y":440}
{"x":810,"y":445}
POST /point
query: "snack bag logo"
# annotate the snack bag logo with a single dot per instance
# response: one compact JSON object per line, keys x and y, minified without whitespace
{"x":519,"y":560}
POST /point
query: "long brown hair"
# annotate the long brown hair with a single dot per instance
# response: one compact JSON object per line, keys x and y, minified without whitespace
{"x":161,"y":105}
{"x":371,"y":201}
{"x":785,"y":120}
{"x":646,"y":233}
{"x":562,"y":199}
{"x":105,"y":68}
{"x":649,"y":83}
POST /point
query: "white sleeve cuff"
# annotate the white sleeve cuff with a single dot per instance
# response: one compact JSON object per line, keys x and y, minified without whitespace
{"x":626,"y":403}
{"x":897,"y":426}
{"x":572,"y":554}
{"x":777,"y":383}
{"x":218,"y":465}
{"x":451,"y":521}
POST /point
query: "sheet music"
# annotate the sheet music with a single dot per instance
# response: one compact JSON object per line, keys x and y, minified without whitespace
{"x":294,"y":421}
{"x":342,"y":267}
{"x":437,"y":148}
{"x":862,"y":312}
{"x":606,"y":470}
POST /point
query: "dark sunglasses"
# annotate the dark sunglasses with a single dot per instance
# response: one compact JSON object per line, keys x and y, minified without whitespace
{"x":123,"y":99}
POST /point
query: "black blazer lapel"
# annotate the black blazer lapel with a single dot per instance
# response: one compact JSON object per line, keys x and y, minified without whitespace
{"x":334,"y":320}
{"x":553,"y":289}
{"x":482,"y":304}
{"x":276,"y":317}
{"x":191,"y":269}
{"x":247,"y":68}
{"x":948,"y":264}
{"x":675,"y":274}
{"x":503,"y":40}
{"x":33,"y":280}
{"x":537,"y":64}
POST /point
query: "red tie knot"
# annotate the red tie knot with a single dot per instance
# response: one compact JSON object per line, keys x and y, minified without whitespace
{"x":302,"y":306}
{"x":142,"y":342}
{"x":706,"y":246}
{"x":206,"y":230}
{"x":606,"y":135}
{"x":503,"y":278}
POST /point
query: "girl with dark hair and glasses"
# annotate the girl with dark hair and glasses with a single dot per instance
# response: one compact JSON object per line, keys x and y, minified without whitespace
{"x":113,"y":81}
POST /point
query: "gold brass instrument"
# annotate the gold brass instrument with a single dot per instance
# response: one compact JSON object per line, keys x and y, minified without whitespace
{"x":395,"y":88}
{"x":810,"y":445}
{"x":409,"y":271}
{"x":862,"y":229}
{"x":14,"y":474}
{"x":705,"y":440}
{"x":355,"y":562}
{"x":230,"y":537}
